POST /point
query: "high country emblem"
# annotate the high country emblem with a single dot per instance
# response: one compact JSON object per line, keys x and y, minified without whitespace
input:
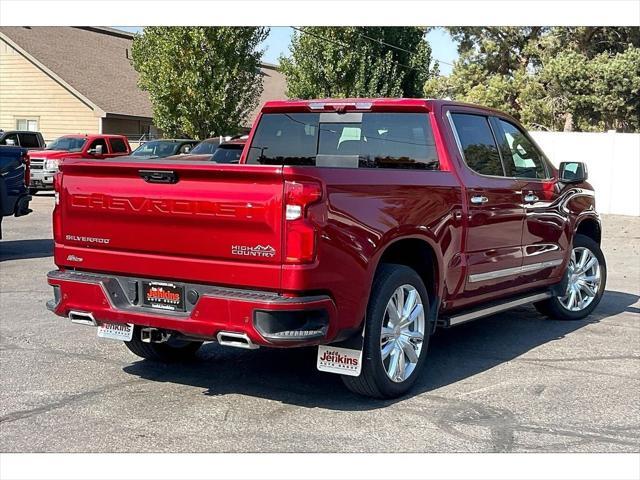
{"x":73,"y":258}
{"x":266,"y":251}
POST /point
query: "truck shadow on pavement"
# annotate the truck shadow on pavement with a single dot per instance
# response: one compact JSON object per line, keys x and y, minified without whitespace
{"x":21,"y":249}
{"x":291,"y":377}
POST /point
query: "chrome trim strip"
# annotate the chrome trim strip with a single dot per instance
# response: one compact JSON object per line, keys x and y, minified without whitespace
{"x":465,"y":317}
{"x":455,"y":134}
{"x":483,"y":277}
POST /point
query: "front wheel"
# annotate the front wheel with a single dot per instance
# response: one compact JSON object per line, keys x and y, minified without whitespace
{"x":173,"y":350}
{"x":396,"y":334}
{"x":586,"y":279}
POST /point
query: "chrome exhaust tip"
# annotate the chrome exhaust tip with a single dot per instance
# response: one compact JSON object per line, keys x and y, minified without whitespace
{"x":82,"y":318}
{"x":238,"y":340}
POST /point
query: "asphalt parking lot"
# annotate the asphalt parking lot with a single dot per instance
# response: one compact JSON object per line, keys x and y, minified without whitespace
{"x":513,"y":382}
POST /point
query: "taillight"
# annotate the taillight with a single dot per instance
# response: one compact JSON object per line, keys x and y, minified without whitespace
{"x":300,"y":234}
{"x":57,"y":225}
{"x":27,"y":168}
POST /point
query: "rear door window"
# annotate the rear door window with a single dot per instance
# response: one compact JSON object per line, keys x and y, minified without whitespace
{"x":29,"y":140}
{"x":118,"y":145}
{"x":478,"y":144}
{"x":351,"y":140}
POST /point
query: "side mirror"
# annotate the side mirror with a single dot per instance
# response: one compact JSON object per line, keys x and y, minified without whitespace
{"x":95,"y":151}
{"x":573,"y":172}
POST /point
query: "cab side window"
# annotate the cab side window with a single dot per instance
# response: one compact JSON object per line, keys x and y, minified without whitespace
{"x":10,"y":139}
{"x":478,"y":144}
{"x":99,"y":141}
{"x":521,"y":158}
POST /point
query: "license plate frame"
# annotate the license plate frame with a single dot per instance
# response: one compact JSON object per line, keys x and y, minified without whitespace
{"x":165,"y":296}
{"x":116,"y":331}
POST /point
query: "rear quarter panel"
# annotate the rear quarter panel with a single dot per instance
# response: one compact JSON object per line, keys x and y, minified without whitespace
{"x":364,"y":212}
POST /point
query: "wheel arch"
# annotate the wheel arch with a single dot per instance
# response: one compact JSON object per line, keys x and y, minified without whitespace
{"x":419,"y":253}
{"x":590,"y":226}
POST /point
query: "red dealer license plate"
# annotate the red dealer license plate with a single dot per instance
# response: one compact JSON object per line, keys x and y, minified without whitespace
{"x":164,"y":296}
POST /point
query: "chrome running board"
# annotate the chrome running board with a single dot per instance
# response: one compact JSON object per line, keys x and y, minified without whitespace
{"x":495,"y":307}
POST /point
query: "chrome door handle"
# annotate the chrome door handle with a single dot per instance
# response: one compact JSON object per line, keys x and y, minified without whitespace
{"x":479,"y":199}
{"x":530,"y":198}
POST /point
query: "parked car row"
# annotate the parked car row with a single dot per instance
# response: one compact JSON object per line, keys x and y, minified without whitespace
{"x":45,"y":159}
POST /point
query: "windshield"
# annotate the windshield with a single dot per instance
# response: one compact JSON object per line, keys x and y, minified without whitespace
{"x":356,"y":140}
{"x":156,"y":149}
{"x":228,"y":153}
{"x":68,"y":144}
{"x":206,"y":147}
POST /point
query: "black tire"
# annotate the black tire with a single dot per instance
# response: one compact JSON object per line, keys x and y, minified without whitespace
{"x":167,"y":352}
{"x":373,"y":380}
{"x":554,"y":309}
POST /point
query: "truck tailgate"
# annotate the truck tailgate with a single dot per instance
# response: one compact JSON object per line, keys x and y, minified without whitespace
{"x":180,"y":220}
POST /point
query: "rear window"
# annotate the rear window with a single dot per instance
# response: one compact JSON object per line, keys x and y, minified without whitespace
{"x":156,"y":148}
{"x":351,"y":140}
{"x":118,"y":145}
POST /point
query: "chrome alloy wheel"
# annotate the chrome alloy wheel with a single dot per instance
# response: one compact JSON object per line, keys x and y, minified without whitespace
{"x":584,"y":280}
{"x":402,"y":335}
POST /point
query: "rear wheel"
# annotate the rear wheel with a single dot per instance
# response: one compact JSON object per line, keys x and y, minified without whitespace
{"x":396,"y":334}
{"x":173,"y":350}
{"x":586,"y":278}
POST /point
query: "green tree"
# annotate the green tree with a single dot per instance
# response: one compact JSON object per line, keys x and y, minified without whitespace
{"x":561,"y":78}
{"x":357,"y":62}
{"x":202,"y":81}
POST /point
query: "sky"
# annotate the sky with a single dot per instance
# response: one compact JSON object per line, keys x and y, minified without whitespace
{"x":277,"y":43}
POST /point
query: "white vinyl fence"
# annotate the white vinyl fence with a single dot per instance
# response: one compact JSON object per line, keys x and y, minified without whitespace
{"x":613,"y":160}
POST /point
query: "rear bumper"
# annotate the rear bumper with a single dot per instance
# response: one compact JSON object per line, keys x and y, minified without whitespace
{"x":266,"y":318}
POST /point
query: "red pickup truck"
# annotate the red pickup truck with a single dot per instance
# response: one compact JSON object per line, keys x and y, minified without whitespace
{"x":44,"y":163}
{"x":359,"y":226}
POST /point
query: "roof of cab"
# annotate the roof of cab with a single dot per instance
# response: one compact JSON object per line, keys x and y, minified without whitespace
{"x":415,"y":102}
{"x":380,"y":104}
{"x":92,"y":135}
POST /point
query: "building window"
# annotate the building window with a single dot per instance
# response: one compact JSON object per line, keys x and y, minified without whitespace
{"x":30,"y":124}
